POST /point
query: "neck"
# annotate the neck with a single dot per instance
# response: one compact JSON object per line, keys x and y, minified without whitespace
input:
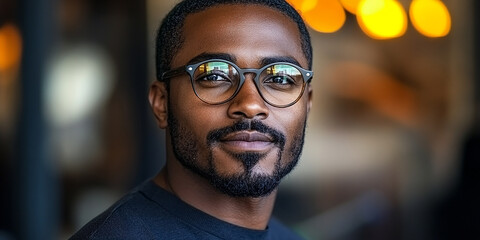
{"x":248,"y":212}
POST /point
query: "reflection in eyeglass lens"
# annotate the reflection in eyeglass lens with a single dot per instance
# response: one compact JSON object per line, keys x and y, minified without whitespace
{"x":279,"y":84}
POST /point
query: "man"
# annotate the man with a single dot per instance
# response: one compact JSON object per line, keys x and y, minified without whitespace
{"x":233,"y":94}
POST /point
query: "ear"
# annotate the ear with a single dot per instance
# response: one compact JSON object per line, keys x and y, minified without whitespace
{"x":158,"y":97}
{"x":309,"y":97}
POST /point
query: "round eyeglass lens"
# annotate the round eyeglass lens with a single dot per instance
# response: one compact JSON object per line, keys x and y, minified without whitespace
{"x":281,"y":84}
{"x":215,"y":82}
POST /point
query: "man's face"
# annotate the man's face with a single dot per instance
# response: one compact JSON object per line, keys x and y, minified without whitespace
{"x":245,"y":146}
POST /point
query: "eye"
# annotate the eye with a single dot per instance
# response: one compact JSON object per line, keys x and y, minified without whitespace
{"x":282,"y":83}
{"x":213,"y":79}
{"x":280,"y":80}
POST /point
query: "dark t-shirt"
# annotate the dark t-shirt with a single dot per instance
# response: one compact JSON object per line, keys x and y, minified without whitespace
{"x":150,"y":212}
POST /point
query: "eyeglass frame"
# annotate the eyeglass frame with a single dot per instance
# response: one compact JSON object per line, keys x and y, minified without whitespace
{"x":307,"y":76}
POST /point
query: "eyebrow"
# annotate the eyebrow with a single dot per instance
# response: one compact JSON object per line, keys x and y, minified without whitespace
{"x":269,"y":60}
{"x":231,"y":58}
{"x":207,"y":56}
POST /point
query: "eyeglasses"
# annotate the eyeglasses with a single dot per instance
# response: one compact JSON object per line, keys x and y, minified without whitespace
{"x":218,"y":81}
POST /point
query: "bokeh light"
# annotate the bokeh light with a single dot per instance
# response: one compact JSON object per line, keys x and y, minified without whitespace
{"x":430,"y":17}
{"x":10,"y":46}
{"x":308,"y":5}
{"x":297,"y":4}
{"x":382,"y":19}
{"x":350,"y":5}
{"x":78,"y":82}
{"x":379,"y":19}
{"x":327,"y":16}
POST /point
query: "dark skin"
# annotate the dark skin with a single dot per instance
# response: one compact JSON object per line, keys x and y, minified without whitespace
{"x":249,"y":34}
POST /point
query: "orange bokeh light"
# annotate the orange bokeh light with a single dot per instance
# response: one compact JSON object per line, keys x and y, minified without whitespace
{"x":430,"y":17}
{"x":297,"y":4}
{"x":327,"y":16}
{"x":10,"y":46}
{"x":382,"y":19}
{"x":350,"y":5}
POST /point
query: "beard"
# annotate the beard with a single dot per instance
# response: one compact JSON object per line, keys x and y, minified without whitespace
{"x":243,"y":184}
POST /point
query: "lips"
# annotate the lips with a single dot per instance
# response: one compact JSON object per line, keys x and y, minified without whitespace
{"x":247,"y":137}
{"x":247,"y":141}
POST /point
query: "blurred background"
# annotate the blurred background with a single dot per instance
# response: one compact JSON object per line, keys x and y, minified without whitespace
{"x":393,"y":139}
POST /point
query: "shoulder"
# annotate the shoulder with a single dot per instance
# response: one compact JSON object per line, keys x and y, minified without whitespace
{"x":148,"y":212}
{"x":125,"y":218}
{"x":279,"y":231}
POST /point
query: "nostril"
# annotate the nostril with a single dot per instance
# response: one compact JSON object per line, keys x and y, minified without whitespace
{"x":260,"y":115}
{"x":250,"y":110}
{"x":240,"y":114}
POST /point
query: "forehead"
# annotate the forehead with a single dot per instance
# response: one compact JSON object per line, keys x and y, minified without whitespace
{"x":247,"y":32}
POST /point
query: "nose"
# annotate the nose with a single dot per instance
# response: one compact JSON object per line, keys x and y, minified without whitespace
{"x":248,"y":103}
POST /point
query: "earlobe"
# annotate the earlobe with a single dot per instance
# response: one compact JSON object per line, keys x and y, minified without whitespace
{"x":158,"y":97}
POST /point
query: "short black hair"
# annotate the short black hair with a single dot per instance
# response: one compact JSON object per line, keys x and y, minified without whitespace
{"x":169,"y":36}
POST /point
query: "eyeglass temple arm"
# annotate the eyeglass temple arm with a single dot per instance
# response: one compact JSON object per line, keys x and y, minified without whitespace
{"x":172,"y":73}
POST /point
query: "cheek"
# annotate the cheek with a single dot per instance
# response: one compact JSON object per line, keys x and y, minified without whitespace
{"x":193,"y":114}
{"x":292,"y":120}
{"x":182,"y":104}
{"x":292,"y":123}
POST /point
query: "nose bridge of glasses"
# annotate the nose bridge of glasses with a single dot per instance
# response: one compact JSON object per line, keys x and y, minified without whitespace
{"x":253,"y":73}
{"x":250,"y":71}
{"x":248,"y":92}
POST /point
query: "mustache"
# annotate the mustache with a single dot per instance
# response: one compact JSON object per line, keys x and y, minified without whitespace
{"x":254,"y":125}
